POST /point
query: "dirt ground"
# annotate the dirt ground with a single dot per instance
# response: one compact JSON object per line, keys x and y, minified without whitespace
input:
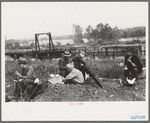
{"x":90,"y":91}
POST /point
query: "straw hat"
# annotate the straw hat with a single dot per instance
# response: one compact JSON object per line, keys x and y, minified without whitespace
{"x":66,"y":54}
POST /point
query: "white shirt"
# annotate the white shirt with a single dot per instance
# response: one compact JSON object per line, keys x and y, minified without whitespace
{"x":76,"y":75}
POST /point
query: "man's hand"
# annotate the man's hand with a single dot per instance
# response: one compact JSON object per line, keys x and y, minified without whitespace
{"x":63,"y":79}
{"x":133,"y":65}
{"x":129,"y":60}
{"x":70,"y":65}
{"x":82,"y":64}
{"x":17,"y":74}
{"x":15,"y":81}
{"x":125,"y":67}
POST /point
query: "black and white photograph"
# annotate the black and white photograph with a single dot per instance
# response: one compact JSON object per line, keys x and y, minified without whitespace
{"x":74,"y":61}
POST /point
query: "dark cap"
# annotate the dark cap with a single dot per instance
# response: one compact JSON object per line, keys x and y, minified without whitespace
{"x":22,"y":60}
{"x":82,"y":53}
{"x":128,"y":54}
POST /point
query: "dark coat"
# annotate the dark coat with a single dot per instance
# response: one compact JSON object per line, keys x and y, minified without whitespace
{"x":78,"y":61}
{"x":136,"y":61}
{"x":63,"y":69}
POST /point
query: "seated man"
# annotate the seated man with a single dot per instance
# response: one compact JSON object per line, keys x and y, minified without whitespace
{"x":133,"y":66}
{"x":66,"y":58}
{"x":74,"y":77}
{"x":79,"y":62}
{"x":26,"y":80}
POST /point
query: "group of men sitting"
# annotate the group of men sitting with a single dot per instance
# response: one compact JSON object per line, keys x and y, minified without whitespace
{"x":26,"y":81}
{"x":72,"y":74}
{"x":72,"y":69}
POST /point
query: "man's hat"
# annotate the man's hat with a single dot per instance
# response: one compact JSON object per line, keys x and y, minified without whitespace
{"x":66,"y":54}
{"x":82,"y":53}
{"x":22,"y":60}
{"x":128,"y":54}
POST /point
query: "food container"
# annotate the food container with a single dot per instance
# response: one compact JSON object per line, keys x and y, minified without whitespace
{"x":52,"y":75}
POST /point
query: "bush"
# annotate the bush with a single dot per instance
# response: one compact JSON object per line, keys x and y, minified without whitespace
{"x":111,"y":42}
{"x":10,"y":68}
{"x":106,"y":68}
{"x":46,"y":67}
{"x":42,"y":68}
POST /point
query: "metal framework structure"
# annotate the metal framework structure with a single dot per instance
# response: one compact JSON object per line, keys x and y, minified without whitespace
{"x":37,"y":45}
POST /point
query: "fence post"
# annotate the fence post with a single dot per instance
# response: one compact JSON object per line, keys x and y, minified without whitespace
{"x":48,"y":55}
{"x":106,"y":51}
{"x":93,"y":55}
{"x":36,"y":56}
{"x":85,"y":49}
{"x":98,"y":55}
{"x":138,"y":53}
{"x":113,"y":54}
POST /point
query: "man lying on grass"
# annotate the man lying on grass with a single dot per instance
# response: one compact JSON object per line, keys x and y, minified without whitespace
{"x":74,"y":77}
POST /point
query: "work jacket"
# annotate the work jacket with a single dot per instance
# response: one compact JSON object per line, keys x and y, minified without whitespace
{"x":136,"y":61}
{"x":29,"y":72}
{"x":77,"y":59}
{"x":63,"y":69}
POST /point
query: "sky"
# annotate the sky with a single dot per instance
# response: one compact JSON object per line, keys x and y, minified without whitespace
{"x":21,"y":20}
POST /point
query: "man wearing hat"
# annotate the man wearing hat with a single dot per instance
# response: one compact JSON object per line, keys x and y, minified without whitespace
{"x":79,"y":62}
{"x":26,"y":79}
{"x":63,"y":69}
{"x":133,"y":65}
{"x":74,"y":77}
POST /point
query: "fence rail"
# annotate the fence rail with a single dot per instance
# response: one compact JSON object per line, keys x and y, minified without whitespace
{"x":111,"y":54}
{"x":92,"y":52}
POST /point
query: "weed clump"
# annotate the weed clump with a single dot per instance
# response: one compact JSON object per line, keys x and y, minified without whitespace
{"x":106,"y":68}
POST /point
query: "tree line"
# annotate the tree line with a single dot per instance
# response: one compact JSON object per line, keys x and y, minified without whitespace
{"x":104,"y":32}
{"x":101,"y":33}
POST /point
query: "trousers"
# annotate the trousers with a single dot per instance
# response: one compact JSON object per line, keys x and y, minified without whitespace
{"x":130,"y":74}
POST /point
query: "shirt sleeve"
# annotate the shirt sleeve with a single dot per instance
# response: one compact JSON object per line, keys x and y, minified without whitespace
{"x":125,"y":61}
{"x":61,"y":65}
{"x":81,"y":61}
{"x":71,"y":75}
{"x":29,"y":73}
{"x":78,"y":59}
